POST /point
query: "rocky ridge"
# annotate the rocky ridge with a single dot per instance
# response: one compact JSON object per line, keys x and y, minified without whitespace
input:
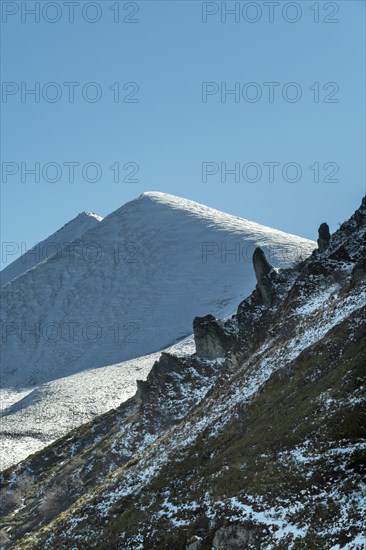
{"x":255,"y":441}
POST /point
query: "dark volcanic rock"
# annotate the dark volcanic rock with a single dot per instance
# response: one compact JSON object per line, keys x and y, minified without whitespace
{"x":266,"y":278}
{"x":212,"y":340}
{"x":340,"y":255}
{"x":260,"y":263}
{"x":324,"y":237}
{"x":359,"y":272}
{"x":234,"y":537}
{"x":166,"y":365}
{"x":316,"y":268}
{"x":360,"y":214}
{"x":195,"y":544}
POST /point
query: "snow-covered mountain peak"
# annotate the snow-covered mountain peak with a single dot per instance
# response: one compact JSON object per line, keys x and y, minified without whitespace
{"x":131,"y":285}
{"x":50,"y":246}
{"x":159,"y":204}
{"x":85,"y":215}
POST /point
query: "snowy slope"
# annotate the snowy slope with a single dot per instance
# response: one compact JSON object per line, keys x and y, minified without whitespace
{"x":51,"y":246}
{"x":32,"y":419}
{"x":131,"y":286}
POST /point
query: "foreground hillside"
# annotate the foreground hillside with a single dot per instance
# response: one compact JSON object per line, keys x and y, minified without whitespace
{"x":255,"y":441}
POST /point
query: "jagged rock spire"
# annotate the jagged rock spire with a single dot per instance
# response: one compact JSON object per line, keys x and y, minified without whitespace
{"x":265,"y":277}
{"x":324,"y":237}
{"x":360,"y":213}
{"x":211,"y":340}
{"x":260,"y":263}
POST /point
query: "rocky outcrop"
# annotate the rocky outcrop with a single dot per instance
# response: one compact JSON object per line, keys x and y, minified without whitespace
{"x":360,"y":214}
{"x":166,"y":365}
{"x":266,"y":278}
{"x":215,"y":338}
{"x":324,"y":237}
{"x":211,"y":338}
{"x":181,"y":380}
{"x":358,"y":272}
{"x":340,"y":255}
{"x":194,"y":544}
{"x":260,"y":263}
{"x":315,"y":268}
{"x":235,"y":537}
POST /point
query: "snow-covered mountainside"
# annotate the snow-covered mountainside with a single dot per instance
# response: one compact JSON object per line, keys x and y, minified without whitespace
{"x":130,"y":286}
{"x":33,"y":418}
{"x":52,"y":246}
{"x":255,"y":441}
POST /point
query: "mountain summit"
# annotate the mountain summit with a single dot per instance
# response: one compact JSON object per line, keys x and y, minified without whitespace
{"x":52,"y":246}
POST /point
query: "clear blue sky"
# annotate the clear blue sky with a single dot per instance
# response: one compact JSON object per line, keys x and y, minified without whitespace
{"x":170,"y":131}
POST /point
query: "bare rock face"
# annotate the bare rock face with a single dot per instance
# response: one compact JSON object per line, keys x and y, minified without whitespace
{"x":210,"y":337}
{"x":360,"y":214}
{"x":316,"y":268}
{"x":260,"y":263}
{"x":234,"y":537}
{"x":166,"y":365}
{"x":324,"y":237}
{"x":266,"y":278}
{"x":164,"y":398}
{"x":340,"y":255}
{"x":194,"y":544}
{"x":359,"y":272}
